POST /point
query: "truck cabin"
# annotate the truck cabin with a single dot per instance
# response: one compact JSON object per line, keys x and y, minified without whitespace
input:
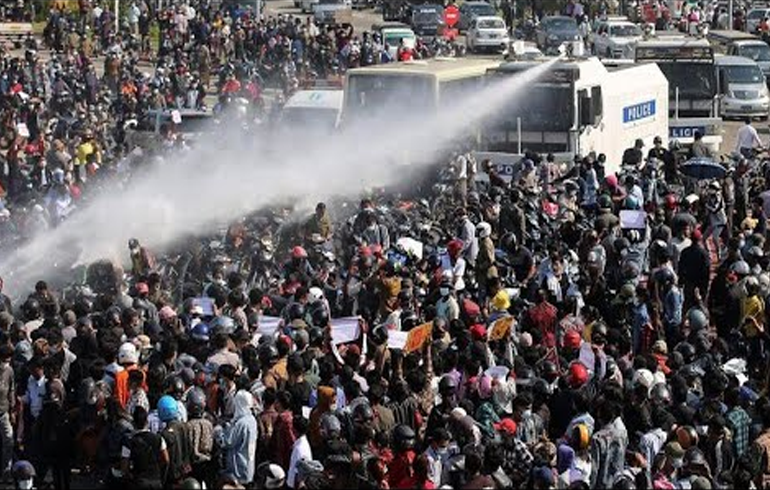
{"x":548,"y":112}
{"x":688,"y":64}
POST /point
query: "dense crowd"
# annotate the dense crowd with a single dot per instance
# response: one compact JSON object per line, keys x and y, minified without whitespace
{"x":561,"y":327}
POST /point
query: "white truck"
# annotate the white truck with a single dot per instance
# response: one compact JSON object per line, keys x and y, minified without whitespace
{"x":688,"y":64}
{"x":580,"y":106}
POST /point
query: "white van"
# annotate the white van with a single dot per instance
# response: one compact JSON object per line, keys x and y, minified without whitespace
{"x":315,"y":110}
{"x":742,"y":89}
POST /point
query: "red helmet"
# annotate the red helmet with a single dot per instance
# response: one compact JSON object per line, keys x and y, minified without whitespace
{"x":454,"y":247}
{"x":578,"y":375}
{"x":298,"y":253}
{"x":671,"y":202}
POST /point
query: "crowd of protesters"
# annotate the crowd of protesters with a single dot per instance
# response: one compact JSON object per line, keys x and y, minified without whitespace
{"x":568,"y":327}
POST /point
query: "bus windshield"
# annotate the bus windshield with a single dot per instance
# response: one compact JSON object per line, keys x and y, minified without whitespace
{"x":693,"y":79}
{"x":369,"y":95}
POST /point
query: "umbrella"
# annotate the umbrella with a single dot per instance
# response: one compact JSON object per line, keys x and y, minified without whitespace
{"x":702,"y":168}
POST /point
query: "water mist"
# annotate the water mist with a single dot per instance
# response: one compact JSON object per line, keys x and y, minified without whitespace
{"x":224,"y":178}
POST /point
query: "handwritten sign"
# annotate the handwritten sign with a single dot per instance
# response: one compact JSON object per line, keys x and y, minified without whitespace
{"x":632,"y":219}
{"x":268,"y":325}
{"x":345,"y":330}
{"x":397,"y":339}
{"x":417,"y":337}
{"x":206,"y":305}
{"x":501,"y":329}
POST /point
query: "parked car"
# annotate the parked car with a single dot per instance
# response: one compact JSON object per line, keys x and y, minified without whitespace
{"x":469,"y":10}
{"x":616,"y":38}
{"x":742,"y":88}
{"x":555,"y":31}
{"x":487,"y":32}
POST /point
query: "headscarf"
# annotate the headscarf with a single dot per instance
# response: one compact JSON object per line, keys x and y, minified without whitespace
{"x":243,"y":403}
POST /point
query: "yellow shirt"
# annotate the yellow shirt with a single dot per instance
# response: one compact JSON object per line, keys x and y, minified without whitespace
{"x":83,"y":151}
{"x":752,"y":307}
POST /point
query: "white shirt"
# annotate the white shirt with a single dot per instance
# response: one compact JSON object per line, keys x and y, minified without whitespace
{"x":300,"y":451}
{"x":747,"y":138}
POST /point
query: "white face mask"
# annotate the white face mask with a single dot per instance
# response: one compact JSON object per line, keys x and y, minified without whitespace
{"x":25,"y":484}
{"x":444,"y":292}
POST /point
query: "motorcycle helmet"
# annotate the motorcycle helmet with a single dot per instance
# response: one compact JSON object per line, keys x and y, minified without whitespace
{"x":550,"y":371}
{"x":295,"y":311}
{"x":403,"y":437}
{"x":363,"y":414}
{"x":447,"y":385}
{"x":697,"y":319}
{"x":127,"y":354}
{"x":298,"y":253}
{"x":196,"y":403}
{"x":223,"y":324}
{"x":89,"y":392}
{"x":268,"y":354}
{"x":271,"y":475}
{"x":483,"y":230}
{"x":174,"y":386}
{"x":687,"y":351}
{"x":316,"y":335}
{"x":200,"y":332}
{"x":315,"y":294}
{"x":190,"y":484}
{"x":168,"y":410}
{"x":660,"y":394}
{"x":318,"y":315}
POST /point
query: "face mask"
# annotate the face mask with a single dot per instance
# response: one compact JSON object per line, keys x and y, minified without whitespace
{"x":444,"y":292}
{"x":676,"y":463}
{"x":442,"y":452}
{"x":25,"y":484}
{"x":526,"y":414}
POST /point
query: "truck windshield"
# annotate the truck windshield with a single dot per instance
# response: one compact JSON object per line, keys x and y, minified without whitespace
{"x":373,"y":95}
{"x":743,"y":74}
{"x":313,"y":118}
{"x":756,"y":52}
{"x":694,"y":80}
{"x":543,"y":108}
{"x":426,"y":17}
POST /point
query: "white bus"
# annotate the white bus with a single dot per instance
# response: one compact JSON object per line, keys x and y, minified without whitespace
{"x":417,"y":88}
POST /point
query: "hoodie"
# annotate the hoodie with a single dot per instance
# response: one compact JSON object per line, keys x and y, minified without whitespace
{"x":241,"y":440}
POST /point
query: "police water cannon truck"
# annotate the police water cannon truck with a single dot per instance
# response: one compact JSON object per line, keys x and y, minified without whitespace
{"x":577,"y":107}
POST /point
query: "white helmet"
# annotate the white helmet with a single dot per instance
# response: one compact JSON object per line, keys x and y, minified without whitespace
{"x":483,"y":229}
{"x":644,"y":377}
{"x":127,"y":354}
{"x":316,"y":294}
